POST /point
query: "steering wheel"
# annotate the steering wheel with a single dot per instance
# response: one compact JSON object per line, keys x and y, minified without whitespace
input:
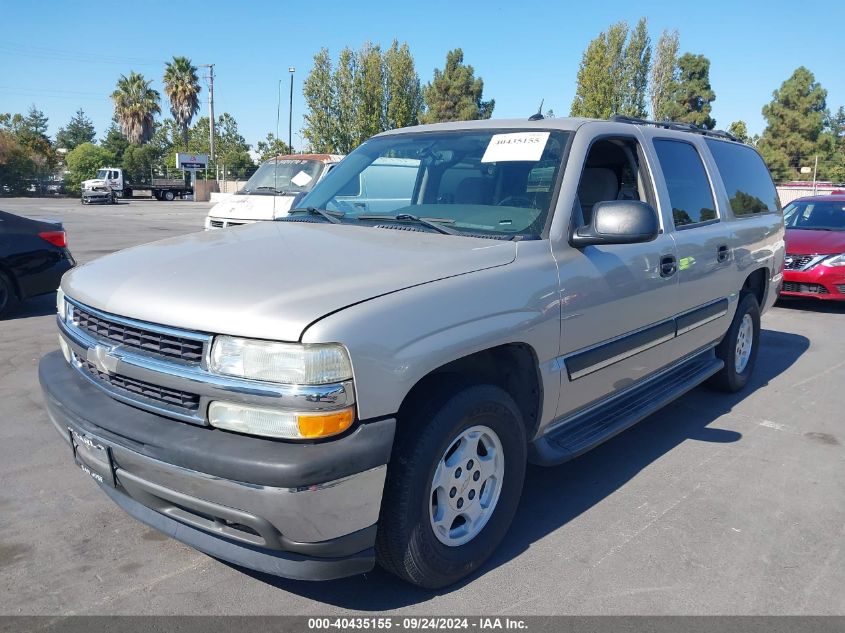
{"x":515,"y":201}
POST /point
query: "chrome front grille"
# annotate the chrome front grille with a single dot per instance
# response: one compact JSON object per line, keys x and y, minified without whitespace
{"x":133,"y":335}
{"x":134,"y":387}
{"x":160,"y":368}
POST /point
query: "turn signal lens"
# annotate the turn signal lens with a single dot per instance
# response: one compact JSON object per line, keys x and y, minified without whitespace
{"x":325,"y":424}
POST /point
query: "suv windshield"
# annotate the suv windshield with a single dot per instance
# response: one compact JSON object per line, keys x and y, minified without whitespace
{"x":496,"y":182}
{"x":820,"y":216}
{"x":288,"y":176}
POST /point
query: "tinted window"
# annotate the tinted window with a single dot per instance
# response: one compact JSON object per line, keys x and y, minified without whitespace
{"x":689,"y":189}
{"x":747,"y":181}
{"x":814,"y":214}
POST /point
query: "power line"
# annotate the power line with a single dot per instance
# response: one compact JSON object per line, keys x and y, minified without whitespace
{"x":58,"y":54}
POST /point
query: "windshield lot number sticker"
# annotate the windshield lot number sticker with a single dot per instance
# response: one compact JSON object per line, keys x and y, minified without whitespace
{"x":301,"y":179}
{"x":515,"y":146}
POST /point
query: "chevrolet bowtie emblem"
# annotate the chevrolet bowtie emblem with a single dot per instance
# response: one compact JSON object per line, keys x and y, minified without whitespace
{"x":100,"y":356}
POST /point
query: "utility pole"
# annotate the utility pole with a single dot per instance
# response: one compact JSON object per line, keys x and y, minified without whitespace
{"x":815,"y":171}
{"x":210,"y":78}
{"x":291,"y":70}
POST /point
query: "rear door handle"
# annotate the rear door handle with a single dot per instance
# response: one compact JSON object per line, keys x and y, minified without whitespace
{"x":722,"y":253}
{"x":668,"y":265}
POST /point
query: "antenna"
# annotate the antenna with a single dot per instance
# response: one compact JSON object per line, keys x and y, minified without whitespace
{"x":538,"y":116}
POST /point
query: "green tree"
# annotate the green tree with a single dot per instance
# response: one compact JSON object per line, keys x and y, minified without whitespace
{"x":402,"y":91}
{"x":664,"y":74}
{"x":368,"y":87}
{"x":455,"y":93}
{"x":115,"y":142}
{"x":182,"y":87}
{"x":79,"y":130}
{"x":345,"y":107}
{"x":795,"y":121}
{"x":320,"y":100}
{"x":83,"y":162}
{"x":271,"y":147}
{"x":613,"y":75}
{"x":740,"y":130}
{"x":231,"y":148}
{"x":16,"y":164}
{"x":135,"y":107}
{"x":635,"y":66}
{"x":693,"y":95}
{"x":31,"y":133}
{"x":834,"y":140}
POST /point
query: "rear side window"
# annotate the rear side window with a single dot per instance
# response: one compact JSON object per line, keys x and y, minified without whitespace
{"x":747,"y":181}
{"x":689,"y":188}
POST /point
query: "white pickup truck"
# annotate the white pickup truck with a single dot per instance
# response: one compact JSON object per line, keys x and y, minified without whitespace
{"x":271,"y":190}
{"x":111,"y":184}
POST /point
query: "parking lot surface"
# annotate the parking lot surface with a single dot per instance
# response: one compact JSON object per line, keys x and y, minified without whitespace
{"x":715,"y":505}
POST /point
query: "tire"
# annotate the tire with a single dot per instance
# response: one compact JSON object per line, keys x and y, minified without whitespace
{"x":739,"y":365}
{"x":407,"y":544}
{"x":169,"y":196}
{"x":8,"y":296}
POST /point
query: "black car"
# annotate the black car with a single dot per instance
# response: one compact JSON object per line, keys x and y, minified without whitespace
{"x":33,"y":258}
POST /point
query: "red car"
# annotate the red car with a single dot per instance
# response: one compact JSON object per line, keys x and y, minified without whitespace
{"x":815,"y":248}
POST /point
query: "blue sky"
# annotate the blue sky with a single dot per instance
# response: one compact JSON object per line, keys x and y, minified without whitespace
{"x":66,"y":55}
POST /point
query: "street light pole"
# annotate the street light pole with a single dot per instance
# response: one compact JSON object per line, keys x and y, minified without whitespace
{"x":291,"y":70}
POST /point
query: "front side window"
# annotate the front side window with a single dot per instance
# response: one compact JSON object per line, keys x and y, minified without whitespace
{"x":747,"y":180}
{"x":283,"y":177}
{"x":814,"y":215}
{"x":496,"y":182}
{"x":689,"y":188}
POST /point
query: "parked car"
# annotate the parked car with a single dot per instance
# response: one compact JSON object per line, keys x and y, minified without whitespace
{"x":33,"y":258}
{"x":815,"y":248}
{"x":271,"y":190}
{"x":366,"y":378}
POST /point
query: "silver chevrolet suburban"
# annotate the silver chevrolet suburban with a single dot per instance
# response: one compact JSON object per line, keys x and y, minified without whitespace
{"x":365,"y":379}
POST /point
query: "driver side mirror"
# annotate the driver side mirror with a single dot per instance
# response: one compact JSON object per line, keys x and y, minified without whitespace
{"x":618,"y":222}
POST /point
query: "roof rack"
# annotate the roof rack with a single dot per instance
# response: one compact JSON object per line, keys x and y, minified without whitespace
{"x":675,"y":125}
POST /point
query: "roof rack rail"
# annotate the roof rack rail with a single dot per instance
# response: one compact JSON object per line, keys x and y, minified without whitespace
{"x":675,"y":125}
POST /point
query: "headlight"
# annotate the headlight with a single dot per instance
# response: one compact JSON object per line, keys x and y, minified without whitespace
{"x":290,"y":363}
{"x":61,"y":304}
{"x":251,"y":420}
{"x":835,"y":260}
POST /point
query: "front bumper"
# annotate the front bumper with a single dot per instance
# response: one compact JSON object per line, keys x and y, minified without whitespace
{"x":93,"y":195}
{"x":304,"y":511}
{"x":820,"y":282}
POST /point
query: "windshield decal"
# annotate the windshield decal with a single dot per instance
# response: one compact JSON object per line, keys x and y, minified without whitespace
{"x":301,"y":179}
{"x":515,"y":146}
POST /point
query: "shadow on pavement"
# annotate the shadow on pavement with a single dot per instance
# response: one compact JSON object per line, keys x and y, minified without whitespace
{"x":42,"y":305}
{"x":555,"y":496}
{"x":812,"y":305}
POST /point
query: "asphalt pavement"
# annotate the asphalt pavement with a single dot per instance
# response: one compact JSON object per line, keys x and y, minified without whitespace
{"x":716,"y":505}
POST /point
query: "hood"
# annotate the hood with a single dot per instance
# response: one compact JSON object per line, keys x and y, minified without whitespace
{"x":809,"y":242}
{"x":251,"y":207}
{"x":272,"y":279}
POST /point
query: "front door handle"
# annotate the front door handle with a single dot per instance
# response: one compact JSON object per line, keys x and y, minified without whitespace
{"x":722,"y":253}
{"x":668,"y":265}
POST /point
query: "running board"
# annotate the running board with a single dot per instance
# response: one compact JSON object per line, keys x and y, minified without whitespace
{"x":589,"y":428}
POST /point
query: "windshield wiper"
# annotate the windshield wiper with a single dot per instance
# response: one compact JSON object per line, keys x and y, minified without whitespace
{"x":273,"y":189}
{"x":331,"y":216}
{"x":432,"y":223}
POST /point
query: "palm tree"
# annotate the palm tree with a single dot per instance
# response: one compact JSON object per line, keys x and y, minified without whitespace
{"x":135,"y":106}
{"x":182,"y":87}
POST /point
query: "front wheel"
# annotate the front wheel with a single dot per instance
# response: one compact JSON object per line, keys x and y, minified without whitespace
{"x":739,"y":348}
{"x":169,"y":196}
{"x":452,"y":487}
